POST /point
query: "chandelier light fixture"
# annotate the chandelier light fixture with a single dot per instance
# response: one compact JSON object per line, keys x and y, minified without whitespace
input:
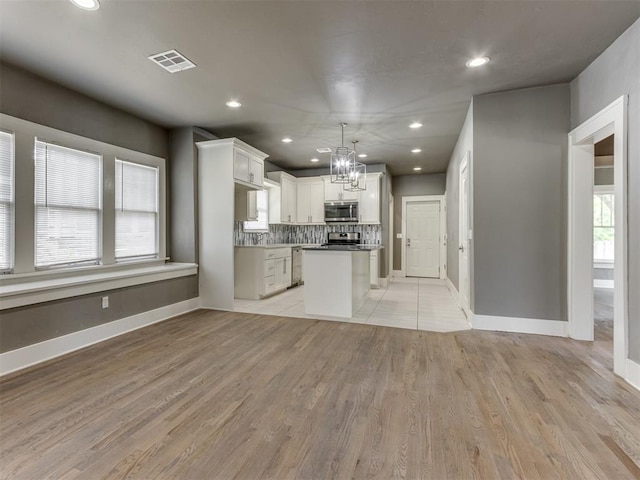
{"x":342,"y":162}
{"x":357,"y":175}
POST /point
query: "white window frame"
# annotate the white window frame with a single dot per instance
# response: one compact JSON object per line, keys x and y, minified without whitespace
{"x":98,"y":259}
{"x":12,"y":206}
{"x":604,"y":189}
{"x":21,"y":286}
{"x":253,"y":226}
{"x":157,"y":233}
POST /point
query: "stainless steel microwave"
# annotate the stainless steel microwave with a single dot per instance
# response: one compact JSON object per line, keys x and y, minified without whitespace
{"x":341,"y":212}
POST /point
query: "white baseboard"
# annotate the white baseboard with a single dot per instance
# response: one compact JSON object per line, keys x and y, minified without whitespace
{"x":633,"y":373}
{"x":520,"y":325}
{"x":453,"y":290}
{"x":397,"y":274}
{"x":40,"y":352}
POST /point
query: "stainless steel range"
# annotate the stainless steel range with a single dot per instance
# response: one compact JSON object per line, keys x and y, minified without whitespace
{"x":342,"y":238}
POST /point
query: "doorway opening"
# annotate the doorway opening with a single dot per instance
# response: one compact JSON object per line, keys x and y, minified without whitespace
{"x":582,"y":215}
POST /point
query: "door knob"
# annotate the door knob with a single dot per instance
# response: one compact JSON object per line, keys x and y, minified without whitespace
{"x":461,"y":248}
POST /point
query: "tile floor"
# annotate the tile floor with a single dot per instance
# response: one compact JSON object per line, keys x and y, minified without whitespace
{"x":412,"y":303}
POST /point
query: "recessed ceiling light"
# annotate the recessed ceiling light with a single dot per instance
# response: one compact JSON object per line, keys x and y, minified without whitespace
{"x":315,"y":160}
{"x":415,"y":125}
{"x":86,"y":4}
{"x":362,"y":155}
{"x":287,"y":140}
{"x":416,"y":150}
{"x":478,"y":62}
{"x":417,"y":169}
{"x":233,"y":104}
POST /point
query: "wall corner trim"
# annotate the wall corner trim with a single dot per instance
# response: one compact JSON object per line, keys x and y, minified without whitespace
{"x":555,"y":328}
{"x":30,"y":355}
{"x":633,"y":373}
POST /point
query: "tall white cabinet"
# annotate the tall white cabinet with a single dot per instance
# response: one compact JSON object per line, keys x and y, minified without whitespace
{"x":287,"y":203}
{"x":369,"y":205}
{"x":223,"y":166}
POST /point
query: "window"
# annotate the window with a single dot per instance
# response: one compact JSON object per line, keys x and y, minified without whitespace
{"x":603,"y":227}
{"x":262,"y":224}
{"x":6,"y":201}
{"x":136,"y":211}
{"x":68,"y":205}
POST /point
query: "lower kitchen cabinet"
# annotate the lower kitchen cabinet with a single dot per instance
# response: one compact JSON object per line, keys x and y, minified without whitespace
{"x":260,"y":271}
{"x":373,"y":269}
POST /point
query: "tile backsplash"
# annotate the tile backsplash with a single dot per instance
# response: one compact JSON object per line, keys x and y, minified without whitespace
{"x":303,"y":234}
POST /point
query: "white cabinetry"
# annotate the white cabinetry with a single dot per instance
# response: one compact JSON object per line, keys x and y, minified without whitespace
{"x":335,"y":191}
{"x":369,"y":206}
{"x":287,"y":204}
{"x":246,"y":205}
{"x":310,"y":200}
{"x":248,"y":168}
{"x":217,"y":186}
{"x":373,"y":269}
{"x":260,"y":272}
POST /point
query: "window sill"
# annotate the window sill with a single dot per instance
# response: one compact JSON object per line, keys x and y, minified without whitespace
{"x":29,"y":288}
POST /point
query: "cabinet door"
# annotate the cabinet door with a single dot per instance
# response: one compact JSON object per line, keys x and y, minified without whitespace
{"x":346,"y":195}
{"x":373,"y":267}
{"x":303,"y":198}
{"x":241,"y":161}
{"x":256,"y":171}
{"x":332,"y":191}
{"x":288,"y":200}
{"x":370,"y":201}
{"x":286,"y":272}
{"x":316,"y":202}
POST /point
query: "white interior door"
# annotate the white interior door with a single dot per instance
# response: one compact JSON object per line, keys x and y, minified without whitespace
{"x":463,"y":248}
{"x":423,"y":239}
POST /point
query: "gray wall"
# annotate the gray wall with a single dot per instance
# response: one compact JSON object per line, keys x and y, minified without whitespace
{"x":519,"y":178}
{"x":411,"y":186}
{"x":32,"y":98}
{"x":603,"y":176}
{"x":183,"y":188}
{"x":24,"y":326}
{"x":614,"y":73}
{"x":463,"y":145}
{"x":27,"y":96}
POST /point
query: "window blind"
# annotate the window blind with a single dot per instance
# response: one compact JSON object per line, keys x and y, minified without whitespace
{"x":136,"y":210}
{"x":68,"y":205}
{"x":6,"y":200}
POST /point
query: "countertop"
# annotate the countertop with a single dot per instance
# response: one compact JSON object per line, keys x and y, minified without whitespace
{"x":280,"y":245}
{"x":316,"y":246}
{"x":345,"y":248}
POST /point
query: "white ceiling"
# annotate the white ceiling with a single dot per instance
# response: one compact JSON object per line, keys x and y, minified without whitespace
{"x":299,"y":68}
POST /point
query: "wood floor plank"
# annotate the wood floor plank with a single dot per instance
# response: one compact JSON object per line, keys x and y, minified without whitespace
{"x":222,"y":395}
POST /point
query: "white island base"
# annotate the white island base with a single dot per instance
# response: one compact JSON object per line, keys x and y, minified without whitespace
{"x":336,"y":282}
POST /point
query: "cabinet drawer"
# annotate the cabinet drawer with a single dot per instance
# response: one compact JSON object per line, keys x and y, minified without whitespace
{"x":269,"y":284}
{"x":270,"y":253}
{"x":269,"y":268}
{"x":282,"y":252}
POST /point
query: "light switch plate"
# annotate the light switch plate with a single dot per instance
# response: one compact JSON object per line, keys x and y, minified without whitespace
{"x":398,"y":235}
{"x":105,"y":302}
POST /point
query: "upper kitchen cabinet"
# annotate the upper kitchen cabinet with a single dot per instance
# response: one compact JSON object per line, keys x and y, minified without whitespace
{"x":310,"y":200}
{"x":334,"y":192}
{"x":369,"y":205}
{"x":287,"y":197}
{"x":248,"y":165}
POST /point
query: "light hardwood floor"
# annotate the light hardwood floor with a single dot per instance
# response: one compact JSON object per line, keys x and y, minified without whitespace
{"x":214,"y":395}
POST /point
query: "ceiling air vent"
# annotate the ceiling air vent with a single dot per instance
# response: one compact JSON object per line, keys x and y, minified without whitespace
{"x":323,"y":150}
{"x":172,"y":61}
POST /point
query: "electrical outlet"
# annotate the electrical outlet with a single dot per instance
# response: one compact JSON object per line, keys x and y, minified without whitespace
{"x":398,"y":235}
{"x":105,"y":302}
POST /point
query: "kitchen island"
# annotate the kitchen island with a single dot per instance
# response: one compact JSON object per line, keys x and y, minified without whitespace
{"x":337,"y":280}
